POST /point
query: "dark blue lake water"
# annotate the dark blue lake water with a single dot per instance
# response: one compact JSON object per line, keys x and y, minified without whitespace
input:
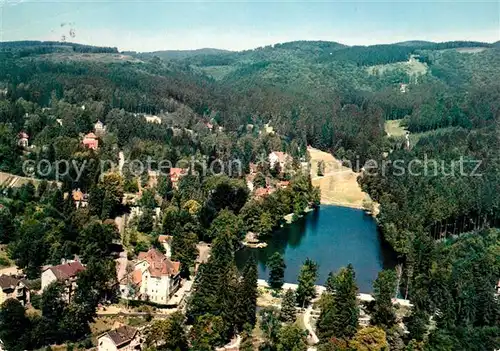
{"x":333,"y":237}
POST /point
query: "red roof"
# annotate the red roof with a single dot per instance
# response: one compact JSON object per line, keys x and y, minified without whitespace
{"x":159,"y":264}
{"x":283,"y":184}
{"x":78,"y":195}
{"x":176,"y":173}
{"x":23,"y":135}
{"x":134,"y":277}
{"x":68,"y":270}
{"x":282,"y":156}
{"x":90,"y":136}
{"x":260,"y":192}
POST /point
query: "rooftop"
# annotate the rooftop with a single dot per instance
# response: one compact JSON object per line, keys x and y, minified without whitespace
{"x":159,"y":264}
{"x":8,"y":281}
{"x":122,"y":335}
{"x":67,"y":270}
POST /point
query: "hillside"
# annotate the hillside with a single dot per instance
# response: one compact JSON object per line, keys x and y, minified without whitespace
{"x":184,"y":54}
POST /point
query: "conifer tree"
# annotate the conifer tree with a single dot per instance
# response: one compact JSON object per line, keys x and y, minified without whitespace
{"x":277,"y":266}
{"x":384,"y":289}
{"x":339,"y":314}
{"x":288,"y":311}
{"x":247,"y":299}
{"x":306,"y":289}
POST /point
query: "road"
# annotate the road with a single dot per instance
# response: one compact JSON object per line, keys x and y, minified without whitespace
{"x":312,"y":338}
{"x":121,"y":161}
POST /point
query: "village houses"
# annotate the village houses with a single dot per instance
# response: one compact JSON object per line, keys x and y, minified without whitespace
{"x":13,"y":288}
{"x":65,"y":273}
{"x":124,"y":338}
{"x":155,"y":278}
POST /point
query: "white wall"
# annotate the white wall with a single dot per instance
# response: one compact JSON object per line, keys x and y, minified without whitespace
{"x":104,"y":343}
{"x":48,"y":277}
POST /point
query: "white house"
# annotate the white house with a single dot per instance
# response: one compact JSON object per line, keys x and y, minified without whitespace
{"x":249,"y":179}
{"x":65,"y":273}
{"x":156,"y":278}
{"x":124,"y":338}
{"x":152,"y":119}
{"x":279,"y":157}
{"x":12,"y":287}
{"x":99,"y":128}
{"x":23,"y":139}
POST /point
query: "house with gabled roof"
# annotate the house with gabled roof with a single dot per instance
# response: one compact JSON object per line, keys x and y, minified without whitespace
{"x":99,"y":128}
{"x":80,"y":199}
{"x":65,"y":273}
{"x":155,"y":278}
{"x":23,"y":139}
{"x":175,"y":175}
{"x":13,"y":288}
{"x":160,"y":276}
{"x":279,"y":157}
{"x":124,"y":338}
{"x":90,"y":141}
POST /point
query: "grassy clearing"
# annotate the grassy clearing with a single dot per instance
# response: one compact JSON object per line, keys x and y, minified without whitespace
{"x":218,"y":72}
{"x":412,"y":67}
{"x":467,"y":50}
{"x":339,"y":185}
{"x":394,"y":128}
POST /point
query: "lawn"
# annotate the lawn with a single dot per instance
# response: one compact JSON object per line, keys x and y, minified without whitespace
{"x":394,"y":128}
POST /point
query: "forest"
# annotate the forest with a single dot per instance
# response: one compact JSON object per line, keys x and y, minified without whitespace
{"x":214,"y":105}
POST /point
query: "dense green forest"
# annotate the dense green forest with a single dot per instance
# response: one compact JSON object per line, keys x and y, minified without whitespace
{"x":337,"y":98}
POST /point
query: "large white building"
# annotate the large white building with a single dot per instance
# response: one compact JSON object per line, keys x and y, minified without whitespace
{"x":155,"y":278}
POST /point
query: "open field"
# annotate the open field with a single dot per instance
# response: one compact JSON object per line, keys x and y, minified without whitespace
{"x":469,"y":50}
{"x":218,"y":72}
{"x":412,"y":67}
{"x":339,"y":185}
{"x":394,"y":128}
{"x":15,"y":181}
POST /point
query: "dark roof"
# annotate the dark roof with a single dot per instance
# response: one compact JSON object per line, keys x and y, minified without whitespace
{"x":7,"y":281}
{"x":32,"y":284}
{"x":122,"y":335}
{"x":68,"y":270}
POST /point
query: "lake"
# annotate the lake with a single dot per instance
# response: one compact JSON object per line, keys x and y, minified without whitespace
{"x":333,"y":237}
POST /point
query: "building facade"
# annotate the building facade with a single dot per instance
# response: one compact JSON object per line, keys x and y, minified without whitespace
{"x":13,"y":288}
{"x":64,"y":273}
